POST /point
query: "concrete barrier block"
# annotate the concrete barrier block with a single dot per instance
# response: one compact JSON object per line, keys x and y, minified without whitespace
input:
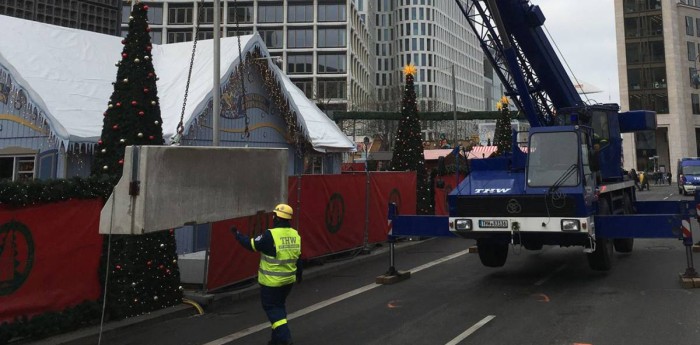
{"x":164,"y":187}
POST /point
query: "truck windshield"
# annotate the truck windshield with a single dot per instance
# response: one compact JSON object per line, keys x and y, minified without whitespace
{"x":552,"y":157}
{"x":691,"y":170}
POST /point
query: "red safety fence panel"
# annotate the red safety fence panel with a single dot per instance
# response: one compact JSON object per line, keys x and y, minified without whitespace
{"x":229,"y":263}
{"x":49,"y":257}
{"x":385,"y":187}
{"x":331,"y":214}
{"x":441,"y":207}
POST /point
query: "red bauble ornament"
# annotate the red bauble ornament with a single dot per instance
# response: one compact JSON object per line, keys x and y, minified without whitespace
{"x":99,"y":142}
{"x":119,"y":104}
{"x":149,"y":263}
{"x":148,"y":29}
{"x":123,"y":41}
{"x":145,"y":7}
{"x":118,"y":267}
{"x":141,"y":113}
{"x":150,"y":74}
{"x":115,"y":127}
{"x":148,"y":48}
{"x":134,"y":103}
{"x":121,"y":162}
{"x":145,"y":90}
{"x":104,"y":114}
{"x":124,"y":55}
{"x":151,"y":137}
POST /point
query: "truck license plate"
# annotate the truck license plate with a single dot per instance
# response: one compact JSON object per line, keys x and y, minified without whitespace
{"x":493,"y":224}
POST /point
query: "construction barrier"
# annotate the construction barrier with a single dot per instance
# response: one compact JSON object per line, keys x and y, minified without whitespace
{"x":49,"y":257}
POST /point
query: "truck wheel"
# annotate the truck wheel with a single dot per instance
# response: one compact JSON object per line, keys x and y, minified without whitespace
{"x":625,"y":245}
{"x":601,"y":258}
{"x":492,"y":254}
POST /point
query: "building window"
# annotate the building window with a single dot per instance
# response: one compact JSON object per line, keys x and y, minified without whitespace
{"x":333,"y":11}
{"x":689,"y":29}
{"x":331,"y":38}
{"x":331,"y":88}
{"x":180,"y":15}
{"x":300,"y":63}
{"x":695,"y":98}
{"x":691,"y":51}
{"x":208,"y":14}
{"x":17,"y":168}
{"x":300,"y":38}
{"x":306,"y":86}
{"x":156,"y":36}
{"x":332,"y":63}
{"x":270,"y":13}
{"x":242,"y":14}
{"x":300,"y":13}
{"x":313,"y":164}
{"x":238,"y":32}
{"x":175,"y":36}
{"x":272,"y":38}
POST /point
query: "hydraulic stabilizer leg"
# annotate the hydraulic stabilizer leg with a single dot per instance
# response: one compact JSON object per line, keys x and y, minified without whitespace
{"x":392,"y":276}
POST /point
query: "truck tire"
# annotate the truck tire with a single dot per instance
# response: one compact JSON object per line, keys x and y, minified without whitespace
{"x":601,"y":258}
{"x":492,"y":254}
{"x":625,"y":245}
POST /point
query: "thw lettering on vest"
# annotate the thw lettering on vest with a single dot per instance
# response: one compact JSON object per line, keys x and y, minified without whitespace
{"x":288,"y":243}
{"x":491,"y":190}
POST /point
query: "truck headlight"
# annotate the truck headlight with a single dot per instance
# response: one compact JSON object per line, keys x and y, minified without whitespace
{"x":463,"y":224}
{"x":570,"y":225}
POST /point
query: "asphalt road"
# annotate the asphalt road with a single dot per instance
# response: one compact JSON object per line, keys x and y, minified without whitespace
{"x":538,"y":297}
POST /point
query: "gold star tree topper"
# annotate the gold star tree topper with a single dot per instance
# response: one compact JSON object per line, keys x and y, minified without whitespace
{"x":409,"y":69}
{"x":502,"y":103}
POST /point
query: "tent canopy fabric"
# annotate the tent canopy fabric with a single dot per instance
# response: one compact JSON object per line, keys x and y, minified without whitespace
{"x":68,"y":73}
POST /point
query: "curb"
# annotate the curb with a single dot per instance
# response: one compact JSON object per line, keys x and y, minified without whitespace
{"x":91,"y":334}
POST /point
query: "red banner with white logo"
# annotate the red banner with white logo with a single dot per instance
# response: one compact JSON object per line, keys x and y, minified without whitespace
{"x":396,"y":187}
{"x":49,"y":257}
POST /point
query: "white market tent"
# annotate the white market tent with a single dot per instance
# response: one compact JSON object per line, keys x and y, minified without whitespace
{"x":69,"y":74}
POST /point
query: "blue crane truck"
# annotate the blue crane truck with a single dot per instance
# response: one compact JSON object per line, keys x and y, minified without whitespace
{"x":568,"y":186}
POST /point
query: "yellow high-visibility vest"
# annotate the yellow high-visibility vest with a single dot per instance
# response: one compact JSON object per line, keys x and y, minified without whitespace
{"x":281,"y":269}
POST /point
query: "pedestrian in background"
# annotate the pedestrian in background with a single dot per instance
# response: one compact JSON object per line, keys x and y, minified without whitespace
{"x":280,"y":268}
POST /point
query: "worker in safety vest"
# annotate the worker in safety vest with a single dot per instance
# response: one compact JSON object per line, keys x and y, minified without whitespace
{"x":280,"y":267}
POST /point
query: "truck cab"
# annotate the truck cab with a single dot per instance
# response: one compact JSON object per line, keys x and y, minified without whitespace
{"x":688,"y":170}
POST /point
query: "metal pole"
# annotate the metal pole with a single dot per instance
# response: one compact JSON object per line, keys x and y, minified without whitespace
{"x":365,"y":239}
{"x":217,"y":73}
{"x":454,"y":103}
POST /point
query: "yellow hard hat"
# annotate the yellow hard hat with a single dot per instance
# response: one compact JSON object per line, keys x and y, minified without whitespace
{"x":284,"y":211}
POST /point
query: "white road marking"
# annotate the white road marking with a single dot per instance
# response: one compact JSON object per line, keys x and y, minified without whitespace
{"x":543,"y":280}
{"x":471,"y":330}
{"x":317,"y":306}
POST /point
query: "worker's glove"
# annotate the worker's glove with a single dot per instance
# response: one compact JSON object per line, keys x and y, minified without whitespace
{"x":235,"y":232}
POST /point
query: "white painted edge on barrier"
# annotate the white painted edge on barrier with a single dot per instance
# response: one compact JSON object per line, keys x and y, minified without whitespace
{"x":323,"y":304}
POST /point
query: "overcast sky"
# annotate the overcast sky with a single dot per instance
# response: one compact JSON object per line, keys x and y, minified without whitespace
{"x":584,"y":31}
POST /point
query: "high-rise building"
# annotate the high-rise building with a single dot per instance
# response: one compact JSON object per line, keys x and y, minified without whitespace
{"x":93,"y":15}
{"x":347,"y":54}
{"x":658,"y":50}
{"x":326,"y":45}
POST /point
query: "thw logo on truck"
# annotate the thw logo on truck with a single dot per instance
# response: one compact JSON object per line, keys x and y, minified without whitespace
{"x":491,"y":190}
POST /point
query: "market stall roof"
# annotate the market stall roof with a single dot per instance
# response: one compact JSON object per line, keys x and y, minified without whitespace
{"x":69,"y":73}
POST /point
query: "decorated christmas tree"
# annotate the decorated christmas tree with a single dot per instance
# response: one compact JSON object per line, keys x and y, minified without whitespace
{"x":143,"y":271}
{"x":503,"y":136}
{"x":408,"y":147}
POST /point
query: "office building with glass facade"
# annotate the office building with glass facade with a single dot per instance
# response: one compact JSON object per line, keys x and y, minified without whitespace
{"x":94,"y":15}
{"x":658,"y":50}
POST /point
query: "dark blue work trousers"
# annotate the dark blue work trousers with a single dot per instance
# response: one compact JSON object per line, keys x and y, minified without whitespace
{"x":273,"y":302}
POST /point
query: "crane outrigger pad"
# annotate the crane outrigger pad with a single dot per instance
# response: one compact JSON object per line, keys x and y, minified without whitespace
{"x":165,"y":187}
